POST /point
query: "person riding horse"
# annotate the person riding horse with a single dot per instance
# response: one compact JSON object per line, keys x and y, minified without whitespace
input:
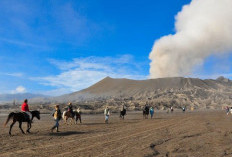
{"x":70,"y":109}
{"x":25,"y":110}
{"x":146,"y":111}
{"x":122,"y":112}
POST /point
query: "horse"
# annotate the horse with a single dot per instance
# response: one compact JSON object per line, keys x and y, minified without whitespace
{"x":145,"y":112}
{"x":172,"y":109}
{"x":67,"y":114}
{"x":122,"y":113}
{"x":78,"y":116}
{"x":183,"y":109}
{"x":22,"y":117}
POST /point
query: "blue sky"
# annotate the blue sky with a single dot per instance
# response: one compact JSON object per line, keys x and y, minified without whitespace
{"x":57,"y":47}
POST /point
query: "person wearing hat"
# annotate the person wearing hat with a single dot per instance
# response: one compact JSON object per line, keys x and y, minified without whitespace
{"x":57,"y":117}
{"x":70,"y":108}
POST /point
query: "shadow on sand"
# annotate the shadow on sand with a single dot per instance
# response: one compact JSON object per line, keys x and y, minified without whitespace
{"x":94,"y":124}
{"x":67,"y":133}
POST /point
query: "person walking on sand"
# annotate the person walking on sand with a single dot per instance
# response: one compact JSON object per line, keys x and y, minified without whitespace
{"x":57,"y":117}
{"x":25,"y":109}
{"x":151,"y":112}
{"x":107,"y":114}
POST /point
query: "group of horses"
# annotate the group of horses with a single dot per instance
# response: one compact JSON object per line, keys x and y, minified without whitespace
{"x":23,"y":117}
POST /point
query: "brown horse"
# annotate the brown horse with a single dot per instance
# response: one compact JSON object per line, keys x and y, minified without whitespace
{"x":78,"y":116}
{"x":145,"y":112}
{"x":66,"y":115}
{"x":22,"y":117}
{"x":122,"y":113}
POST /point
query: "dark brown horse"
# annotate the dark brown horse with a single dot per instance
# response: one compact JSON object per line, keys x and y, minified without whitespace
{"x":21,"y":117}
{"x":145,"y":112}
{"x":122,"y":113}
{"x":78,"y":116}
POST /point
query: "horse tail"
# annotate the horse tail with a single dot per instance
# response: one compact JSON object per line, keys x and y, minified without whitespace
{"x":63,"y":114}
{"x":9,"y":117}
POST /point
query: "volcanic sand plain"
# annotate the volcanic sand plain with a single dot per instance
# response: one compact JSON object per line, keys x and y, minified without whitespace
{"x":198,"y":133}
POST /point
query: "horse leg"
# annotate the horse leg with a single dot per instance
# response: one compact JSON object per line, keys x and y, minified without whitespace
{"x":65,"y":120}
{"x":80,"y":119}
{"x":28,"y":127}
{"x":20,"y":126}
{"x":72,"y":120}
{"x":11,"y":127}
{"x":76,"y":119}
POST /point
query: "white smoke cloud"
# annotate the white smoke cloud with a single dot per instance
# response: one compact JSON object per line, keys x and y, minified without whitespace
{"x":203,"y":28}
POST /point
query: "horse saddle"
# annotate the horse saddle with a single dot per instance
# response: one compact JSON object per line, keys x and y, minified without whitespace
{"x":26,"y":116}
{"x":72,"y":114}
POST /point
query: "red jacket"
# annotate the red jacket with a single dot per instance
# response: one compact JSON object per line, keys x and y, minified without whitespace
{"x":25,"y":107}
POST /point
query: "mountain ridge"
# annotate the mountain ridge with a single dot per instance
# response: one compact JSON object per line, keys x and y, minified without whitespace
{"x":159,"y":92}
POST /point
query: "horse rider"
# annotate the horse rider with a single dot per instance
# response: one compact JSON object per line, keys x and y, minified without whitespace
{"x":25,"y":109}
{"x":146,"y":107}
{"x":70,"y":108}
{"x":107,"y":114}
{"x":57,"y":116}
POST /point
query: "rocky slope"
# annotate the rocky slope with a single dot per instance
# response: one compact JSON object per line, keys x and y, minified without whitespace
{"x":160,"y":93}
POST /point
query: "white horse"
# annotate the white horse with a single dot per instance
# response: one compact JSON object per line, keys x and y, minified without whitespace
{"x":66,"y":115}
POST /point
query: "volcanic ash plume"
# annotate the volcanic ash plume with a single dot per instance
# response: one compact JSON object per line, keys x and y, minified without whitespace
{"x":203,"y":27}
